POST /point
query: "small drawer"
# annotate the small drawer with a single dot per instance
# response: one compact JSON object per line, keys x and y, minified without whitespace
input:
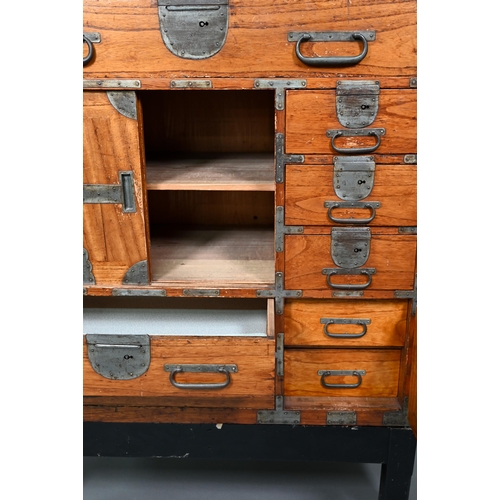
{"x":345,"y":323}
{"x":376,"y":195}
{"x":341,"y":372}
{"x":313,"y":127}
{"x":389,"y":265}
{"x":218,"y":354}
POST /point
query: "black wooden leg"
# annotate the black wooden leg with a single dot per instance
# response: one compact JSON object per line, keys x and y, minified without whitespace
{"x":395,"y":478}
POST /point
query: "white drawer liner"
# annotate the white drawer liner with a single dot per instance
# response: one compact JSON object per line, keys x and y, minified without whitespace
{"x":179,"y":322}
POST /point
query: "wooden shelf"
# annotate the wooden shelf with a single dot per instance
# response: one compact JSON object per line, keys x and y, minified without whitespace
{"x":212,"y":257}
{"x":228,"y":172}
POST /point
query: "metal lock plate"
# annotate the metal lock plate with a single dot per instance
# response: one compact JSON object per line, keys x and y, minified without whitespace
{"x":119,"y":357}
{"x":350,"y":246}
{"x":193,"y":29}
{"x":353,"y":177}
{"x":357,"y":103}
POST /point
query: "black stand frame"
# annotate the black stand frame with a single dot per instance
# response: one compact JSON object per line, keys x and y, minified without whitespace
{"x":393,"y":447}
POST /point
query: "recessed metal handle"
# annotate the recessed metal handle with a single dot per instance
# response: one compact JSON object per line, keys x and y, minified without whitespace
{"x":332,"y":373}
{"x":224,"y":369}
{"x":372,"y":206}
{"x":345,"y":321}
{"x":332,"y":61}
{"x":348,"y":286}
{"x":378,"y":133}
{"x":90,"y":54}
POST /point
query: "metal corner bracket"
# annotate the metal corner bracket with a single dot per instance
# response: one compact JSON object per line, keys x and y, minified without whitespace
{"x":280,"y":86}
{"x":279,"y":415}
{"x":398,"y":418}
{"x":279,"y":294}
{"x":281,"y":229}
{"x":282,"y":158}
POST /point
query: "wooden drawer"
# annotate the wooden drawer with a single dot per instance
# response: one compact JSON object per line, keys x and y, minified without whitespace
{"x":380,"y":378}
{"x":309,"y":187}
{"x":213,"y":358}
{"x":345,"y":323}
{"x":256,"y":43}
{"x":310,"y":114}
{"x":391,"y":256}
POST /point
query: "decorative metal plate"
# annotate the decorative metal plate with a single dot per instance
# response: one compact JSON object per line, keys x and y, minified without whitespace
{"x":278,"y":416}
{"x":88,"y":277}
{"x":350,"y":246}
{"x":357,"y":103}
{"x":193,"y":29}
{"x":119,"y":357}
{"x":353,"y":177}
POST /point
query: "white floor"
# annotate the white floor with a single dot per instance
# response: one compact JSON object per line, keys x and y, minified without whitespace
{"x":166,"y":479}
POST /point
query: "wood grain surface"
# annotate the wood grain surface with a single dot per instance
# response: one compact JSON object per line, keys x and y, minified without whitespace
{"x":303,"y":327}
{"x":256,"y":45}
{"x":308,"y":187}
{"x":111,"y":143}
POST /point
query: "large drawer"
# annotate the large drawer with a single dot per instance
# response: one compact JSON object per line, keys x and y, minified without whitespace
{"x":312,"y":120}
{"x":248,"y":38}
{"x":345,"y":323}
{"x":390,"y":262}
{"x":341,"y":372}
{"x":387,"y":196}
{"x":216,"y":357}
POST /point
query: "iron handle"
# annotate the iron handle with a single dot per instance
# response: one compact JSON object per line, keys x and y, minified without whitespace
{"x":365,"y":150}
{"x":354,"y":373}
{"x":344,"y":321}
{"x":332,"y":61}
{"x":200,"y":386}
{"x":89,"y":56}
{"x":372,"y":206}
{"x":365,"y":272}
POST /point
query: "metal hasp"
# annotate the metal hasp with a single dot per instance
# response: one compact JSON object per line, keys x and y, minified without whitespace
{"x":119,"y":357}
{"x":331,"y":36}
{"x":122,"y":193}
{"x":280,"y":86}
{"x":194,"y":29}
{"x":350,"y":249}
{"x":357,"y":103}
{"x":210,"y":368}
{"x":88,"y":277}
{"x":281,"y":229}
{"x":279,"y":294}
{"x":279,"y":415}
{"x":364,"y":132}
{"x":282,"y":158}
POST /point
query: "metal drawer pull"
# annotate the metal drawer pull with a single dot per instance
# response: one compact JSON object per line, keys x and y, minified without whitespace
{"x":333,"y":373}
{"x":344,"y":321}
{"x":225,"y":369}
{"x":89,"y":56}
{"x":332,"y":61}
{"x":376,"y":132}
{"x":371,"y":205}
{"x":366,"y":272}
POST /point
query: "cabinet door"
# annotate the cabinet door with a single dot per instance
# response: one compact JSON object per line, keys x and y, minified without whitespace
{"x":114,"y":226}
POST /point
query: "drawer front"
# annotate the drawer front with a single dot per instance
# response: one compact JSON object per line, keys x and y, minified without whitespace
{"x":345,"y":323}
{"x":252,"y":381}
{"x":256,"y":43}
{"x":392,"y":257}
{"x":311,"y":114}
{"x":309,"y":187}
{"x":304,"y":371}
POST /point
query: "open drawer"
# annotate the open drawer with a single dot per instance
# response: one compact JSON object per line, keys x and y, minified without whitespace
{"x":180,"y":352}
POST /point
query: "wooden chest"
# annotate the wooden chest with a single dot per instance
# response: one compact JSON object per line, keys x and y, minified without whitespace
{"x":249,"y":211}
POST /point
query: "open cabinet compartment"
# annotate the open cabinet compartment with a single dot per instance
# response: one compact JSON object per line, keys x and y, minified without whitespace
{"x":210,"y":179}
